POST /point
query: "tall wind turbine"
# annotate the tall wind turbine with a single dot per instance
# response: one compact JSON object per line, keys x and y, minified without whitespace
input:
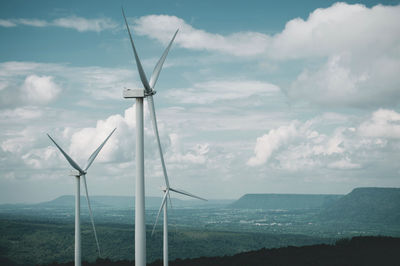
{"x":148,"y":91}
{"x":82,"y":173}
{"x":164,"y":204}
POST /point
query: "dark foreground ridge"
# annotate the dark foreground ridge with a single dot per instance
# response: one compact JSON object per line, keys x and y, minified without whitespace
{"x":380,"y":251}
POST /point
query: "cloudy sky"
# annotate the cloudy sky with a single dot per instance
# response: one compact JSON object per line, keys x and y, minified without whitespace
{"x":255,"y":97}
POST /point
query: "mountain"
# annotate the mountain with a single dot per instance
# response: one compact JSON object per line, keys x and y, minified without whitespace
{"x":119,"y":202}
{"x":366,"y":205}
{"x":284,"y":201}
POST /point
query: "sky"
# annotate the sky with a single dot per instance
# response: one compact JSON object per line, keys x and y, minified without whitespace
{"x":254,"y":97}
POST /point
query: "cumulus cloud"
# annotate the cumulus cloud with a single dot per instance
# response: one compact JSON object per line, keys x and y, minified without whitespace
{"x":213,"y":91}
{"x":360,"y":70}
{"x":119,"y":147}
{"x":39,"y":89}
{"x":271,"y":142}
{"x":73,"y":22}
{"x":383,"y":123}
{"x":340,"y":28}
{"x":310,"y":145}
{"x":305,"y":146}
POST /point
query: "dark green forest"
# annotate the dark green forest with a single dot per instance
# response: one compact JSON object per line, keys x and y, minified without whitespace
{"x":30,"y":242}
{"x":358,"y":251}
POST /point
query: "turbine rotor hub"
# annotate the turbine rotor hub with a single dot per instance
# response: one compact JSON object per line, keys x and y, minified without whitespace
{"x":149,"y":93}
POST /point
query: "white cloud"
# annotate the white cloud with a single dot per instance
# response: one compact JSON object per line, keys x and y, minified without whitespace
{"x":213,"y":91}
{"x":318,"y":144}
{"x":271,"y":142}
{"x":343,"y":82}
{"x":360,"y":44}
{"x":382,"y":124}
{"x":7,"y":23}
{"x":162,"y":28}
{"x":18,"y":142}
{"x":119,"y":147}
{"x":41,"y":158}
{"x":83,"y":24}
{"x":304,"y":146}
{"x":73,"y":22}
{"x":39,"y":89}
{"x":340,"y":28}
{"x":32,"y":22}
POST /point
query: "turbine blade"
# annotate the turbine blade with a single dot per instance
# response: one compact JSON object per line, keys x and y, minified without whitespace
{"x":91,"y":215}
{"x":69,"y":159}
{"x":138,"y":64}
{"x":96,"y":152}
{"x":155,"y":128}
{"x":186,"y":193}
{"x":159,"y":211}
{"x":157,"y":68}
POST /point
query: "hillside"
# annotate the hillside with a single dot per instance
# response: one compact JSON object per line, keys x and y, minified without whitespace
{"x":365,"y":251}
{"x":117,"y":202}
{"x":366,"y":205}
{"x":284,"y":201}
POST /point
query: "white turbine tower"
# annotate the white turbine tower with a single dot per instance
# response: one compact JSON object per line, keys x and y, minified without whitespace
{"x":140,"y":236}
{"x":82,"y":173}
{"x":164,"y":204}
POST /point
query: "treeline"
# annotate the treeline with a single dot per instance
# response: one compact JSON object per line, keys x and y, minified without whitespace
{"x":32,"y":243}
{"x":365,"y":251}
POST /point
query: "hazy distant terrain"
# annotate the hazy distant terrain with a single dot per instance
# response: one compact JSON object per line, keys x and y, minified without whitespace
{"x":284,"y":201}
{"x":42,"y":233}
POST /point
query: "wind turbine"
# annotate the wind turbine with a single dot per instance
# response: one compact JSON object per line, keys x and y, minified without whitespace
{"x":164,"y":204}
{"x":148,"y":91}
{"x":140,"y":257}
{"x":81,"y":173}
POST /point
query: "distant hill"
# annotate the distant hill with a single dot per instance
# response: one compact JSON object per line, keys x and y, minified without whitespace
{"x":120,"y":202}
{"x":366,"y":205}
{"x":284,"y":201}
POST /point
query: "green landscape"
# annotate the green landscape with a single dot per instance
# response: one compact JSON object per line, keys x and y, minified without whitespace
{"x":44,"y":233}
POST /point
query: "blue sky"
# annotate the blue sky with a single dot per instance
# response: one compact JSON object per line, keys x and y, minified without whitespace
{"x":255,"y":96}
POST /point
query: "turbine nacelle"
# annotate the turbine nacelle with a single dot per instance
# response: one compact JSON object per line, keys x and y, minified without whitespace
{"x":77,"y":173}
{"x":137,"y":93}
